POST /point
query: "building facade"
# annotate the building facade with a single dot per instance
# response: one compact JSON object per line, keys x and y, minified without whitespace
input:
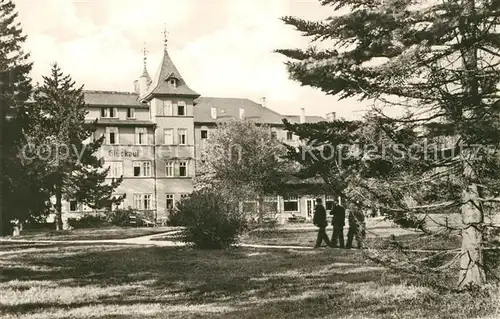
{"x":154,"y":135}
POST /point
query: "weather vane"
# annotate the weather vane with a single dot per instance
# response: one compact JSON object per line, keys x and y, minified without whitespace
{"x":145,"y":54}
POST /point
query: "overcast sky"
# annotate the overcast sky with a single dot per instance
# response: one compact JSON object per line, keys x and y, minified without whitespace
{"x":222,"y":48}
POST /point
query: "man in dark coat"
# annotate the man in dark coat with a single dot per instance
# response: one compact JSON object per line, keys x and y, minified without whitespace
{"x":338,"y":222}
{"x":357,"y":226}
{"x":319,"y":220}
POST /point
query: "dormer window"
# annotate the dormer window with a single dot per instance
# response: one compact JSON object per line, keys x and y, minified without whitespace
{"x":173,"y":82}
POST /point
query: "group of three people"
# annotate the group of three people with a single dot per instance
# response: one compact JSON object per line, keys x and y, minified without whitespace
{"x":356,"y":225}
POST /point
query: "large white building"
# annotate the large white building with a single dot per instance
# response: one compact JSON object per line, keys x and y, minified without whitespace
{"x":154,"y":134}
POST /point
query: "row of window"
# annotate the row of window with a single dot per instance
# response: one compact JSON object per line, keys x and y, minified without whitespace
{"x":144,"y":201}
{"x":141,"y":136}
{"x":112,"y":112}
{"x":112,"y":136}
{"x":139,"y":201}
{"x":167,"y":109}
{"x":144,"y":168}
{"x":290,"y":204}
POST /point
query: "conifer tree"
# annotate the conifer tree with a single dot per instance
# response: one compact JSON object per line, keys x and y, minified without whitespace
{"x":15,"y":88}
{"x":61,"y":146}
{"x":438,"y":63}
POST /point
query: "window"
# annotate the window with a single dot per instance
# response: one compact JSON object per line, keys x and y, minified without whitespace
{"x":291,"y":204}
{"x":204,"y":134}
{"x":181,"y":108}
{"x":115,"y":169}
{"x":73,"y":205}
{"x":172,"y":82}
{"x":184,"y":196}
{"x":183,"y":169}
{"x":108,"y":112}
{"x":169,"y":169}
{"x":289,"y":136}
{"x":142,"y":201}
{"x":182,"y":132}
{"x":142,"y":168}
{"x":140,"y":135}
{"x":112,"y":135}
{"x":130,"y":113}
{"x":167,"y":108}
{"x":168,"y":136}
{"x":329,"y":202}
{"x":169,"y":204}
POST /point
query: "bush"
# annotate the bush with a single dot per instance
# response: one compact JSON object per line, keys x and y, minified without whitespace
{"x":120,"y":217}
{"x":210,"y":221}
{"x":87,"y":221}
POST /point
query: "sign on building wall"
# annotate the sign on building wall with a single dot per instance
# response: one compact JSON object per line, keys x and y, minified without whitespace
{"x":124,"y":153}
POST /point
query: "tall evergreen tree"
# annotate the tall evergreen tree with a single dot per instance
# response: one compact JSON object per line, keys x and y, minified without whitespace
{"x":437,"y":61}
{"x":15,"y":88}
{"x":62,"y":149}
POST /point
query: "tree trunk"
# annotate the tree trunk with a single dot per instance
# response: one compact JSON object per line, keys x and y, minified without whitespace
{"x":3,"y":106}
{"x":58,"y":219}
{"x":261,"y":209}
{"x":471,"y":261}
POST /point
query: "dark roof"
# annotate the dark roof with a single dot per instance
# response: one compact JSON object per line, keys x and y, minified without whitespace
{"x":118,"y":122}
{"x":309,"y":119}
{"x":229,"y":108}
{"x":113,"y":98}
{"x":160,"y":84}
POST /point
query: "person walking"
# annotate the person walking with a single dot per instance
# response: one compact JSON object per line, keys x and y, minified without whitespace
{"x":357,"y":226}
{"x":338,"y":222}
{"x":319,"y":220}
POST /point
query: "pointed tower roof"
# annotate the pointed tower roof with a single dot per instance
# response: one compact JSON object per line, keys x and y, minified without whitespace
{"x":145,"y":70}
{"x":161,"y":81}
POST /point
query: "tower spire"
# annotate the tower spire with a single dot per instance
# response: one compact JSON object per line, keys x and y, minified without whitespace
{"x":145,"y":56}
{"x":165,"y":40}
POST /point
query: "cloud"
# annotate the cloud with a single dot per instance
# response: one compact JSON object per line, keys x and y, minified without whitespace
{"x":222,"y":48}
{"x":238,"y":60}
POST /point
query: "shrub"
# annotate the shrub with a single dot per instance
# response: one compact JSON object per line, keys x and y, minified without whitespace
{"x":120,"y":217}
{"x":210,"y":221}
{"x":87,"y":221}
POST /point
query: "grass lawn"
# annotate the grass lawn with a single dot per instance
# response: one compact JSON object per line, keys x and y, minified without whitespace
{"x":119,"y":281}
{"x":91,"y":233}
{"x":374,"y":239}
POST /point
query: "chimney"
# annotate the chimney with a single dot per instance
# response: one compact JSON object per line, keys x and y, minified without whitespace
{"x":242,"y":114}
{"x":302,"y":116}
{"x":213,"y":113}
{"x":263,"y":101}
{"x":330,"y":117}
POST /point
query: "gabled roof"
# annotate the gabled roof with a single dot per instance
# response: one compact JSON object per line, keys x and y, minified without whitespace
{"x":229,"y":108}
{"x":113,"y":98}
{"x":309,"y":119}
{"x":161,"y":86}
